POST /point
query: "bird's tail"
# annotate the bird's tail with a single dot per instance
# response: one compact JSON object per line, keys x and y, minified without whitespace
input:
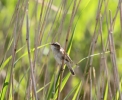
{"x":70,"y":69}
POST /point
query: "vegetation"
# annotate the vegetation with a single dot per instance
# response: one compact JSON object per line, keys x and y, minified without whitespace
{"x":89,"y":30}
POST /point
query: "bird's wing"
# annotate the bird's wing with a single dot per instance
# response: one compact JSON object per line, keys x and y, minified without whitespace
{"x":67,"y":58}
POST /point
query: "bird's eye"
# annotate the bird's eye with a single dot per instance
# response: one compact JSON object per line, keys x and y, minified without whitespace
{"x":58,"y":46}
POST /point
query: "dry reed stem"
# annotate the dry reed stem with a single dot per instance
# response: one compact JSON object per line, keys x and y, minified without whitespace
{"x":121,"y":15}
{"x":90,"y":49}
{"x":50,"y":31}
{"x":29,"y":55}
{"x":103,"y":58}
{"x":113,"y":56}
{"x":44,"y":24}
{"x":63,"y":18}
{"x":41,"y":32}
{"x":11,"y":23}
{"x":95,"y":36}
{"x":90,"y":78}
{"x":45,"y":78}
{"x":38,"y":31}
{"x":49,"y":50}
{"x":40,"y":18}
{"x":100,"y":5}
{"x":38,"y":36}
{"x":92,"y":45}
{"x":15,"y":48}
{"x":87,"y":79}
{"x":29,"y":85}
{"x":118,"y":8}
{"x":53,"y":24}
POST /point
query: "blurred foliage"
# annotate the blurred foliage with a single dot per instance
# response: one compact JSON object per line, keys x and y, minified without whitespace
{"x":86,"y":17}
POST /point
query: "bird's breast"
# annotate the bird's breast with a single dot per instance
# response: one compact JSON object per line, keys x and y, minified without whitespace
{"x":58,"y":58}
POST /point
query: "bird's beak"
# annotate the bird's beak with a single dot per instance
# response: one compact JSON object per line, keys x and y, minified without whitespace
{"x":51,"y":43}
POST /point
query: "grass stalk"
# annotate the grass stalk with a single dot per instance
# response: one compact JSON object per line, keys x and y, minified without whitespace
{"x":29,"y":55}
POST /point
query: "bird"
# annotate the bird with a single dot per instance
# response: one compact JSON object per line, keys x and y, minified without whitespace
{"x":59,"y":54}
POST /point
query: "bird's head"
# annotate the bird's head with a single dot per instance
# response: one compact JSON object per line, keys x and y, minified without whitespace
{"x":55,"y":45}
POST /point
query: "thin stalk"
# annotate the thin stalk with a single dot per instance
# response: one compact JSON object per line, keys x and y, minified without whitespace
{"x":29,"y":55}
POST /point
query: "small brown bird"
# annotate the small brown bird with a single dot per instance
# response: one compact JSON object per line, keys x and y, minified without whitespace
{"x":58,"y":52}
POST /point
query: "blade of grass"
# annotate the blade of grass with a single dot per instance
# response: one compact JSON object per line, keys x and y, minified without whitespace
{"x":2,"y":92}
{"x":106,"y":92}
{"x":77,"y":91}
{"x":42,"y":88}
{"x":5,"y":87}
{"x":117,"y":96}
{"x":97,"y":54}
{"x":49,"y":94}
{"x":6,"y":52}
{"x":71,"y":92}
{"x":65,"y":79}
{"x":9,"y":58}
